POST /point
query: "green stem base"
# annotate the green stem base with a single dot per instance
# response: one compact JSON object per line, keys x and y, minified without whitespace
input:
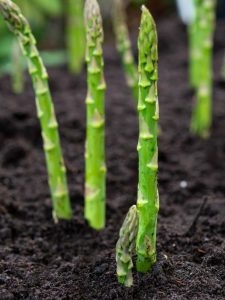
{"x":95,"y":217}
{"x":145,"y":264}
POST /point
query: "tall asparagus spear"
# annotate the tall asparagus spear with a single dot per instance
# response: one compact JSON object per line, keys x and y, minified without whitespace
{"x":75,"y":34}
{"x":201,"y":65}
{"x":148,"y":200}
{"x":49,"y":127}
{"x":124,"y":46}
{"x":95,"y":170}
{"x":201,"y":29}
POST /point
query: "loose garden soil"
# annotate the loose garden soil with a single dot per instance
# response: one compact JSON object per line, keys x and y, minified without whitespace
{"x":41,"y":260}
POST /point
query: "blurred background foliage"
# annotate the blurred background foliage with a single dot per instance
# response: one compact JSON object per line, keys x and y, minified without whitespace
{"x":48,"y":21}
{"x":45,"y":19}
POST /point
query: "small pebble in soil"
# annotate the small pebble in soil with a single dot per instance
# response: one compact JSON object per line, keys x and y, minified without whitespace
{"x":183,"y":184}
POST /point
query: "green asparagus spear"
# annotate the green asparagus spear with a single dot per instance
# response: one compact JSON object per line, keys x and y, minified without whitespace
{"x":124,"y":46}
{"x":201,"y":65}
{"x":148,"y":200}
{"x":125,"y":247}
{"x":75,"y":35}
{"x":95,"y":168}
{"x":49,"y":127}
{"x":17,"y":74}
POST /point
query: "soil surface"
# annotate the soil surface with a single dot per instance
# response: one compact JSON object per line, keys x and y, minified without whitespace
{"x":41,"y":260}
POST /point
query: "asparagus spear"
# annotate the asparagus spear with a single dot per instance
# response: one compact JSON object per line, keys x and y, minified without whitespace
{"x":95,"y":169}
{"x":17,"y":74}
{"x":201,"y":65}
{"x":49,"y":127}
{"x":201,"y":31}
{"x":75,"y":35}
{"x":148,"y":200}
{"x":125,"y":247}
{"x":124,"y":46}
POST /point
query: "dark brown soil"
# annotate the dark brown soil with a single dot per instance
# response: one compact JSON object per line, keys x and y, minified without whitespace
{"x":41,"y":260}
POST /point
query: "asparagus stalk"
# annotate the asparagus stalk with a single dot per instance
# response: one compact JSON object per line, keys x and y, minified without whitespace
{"x":201,"y":30}
{"x":75,"y":35}
{"x":201,"y":65}
{"x":95,"y":168}
{"x":17,"y":74}
{"x":148,"y":200}
{"x":124,"y":46}
{"x":45,"y":110}
{"x":125,"y":247}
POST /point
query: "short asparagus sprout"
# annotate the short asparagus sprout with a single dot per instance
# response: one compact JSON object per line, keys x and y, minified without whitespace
{"x":148,"y":199}
{"x":124,"y":46}
{"x":95,"y":167}
{"x":125,"y":247}
{"x":75,"y":35}
{"x":201,"y":44}
{"x":49,"y":127}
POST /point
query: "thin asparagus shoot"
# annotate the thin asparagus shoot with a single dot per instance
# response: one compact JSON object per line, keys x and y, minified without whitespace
{"x":17,"y":73}
{"x":148,"y":199}
{"x":124,"y":46}
{"x":75,"y":35}
{"x":201,"y":66}
{"x":95,"y":167}
{"x":45,"y":109}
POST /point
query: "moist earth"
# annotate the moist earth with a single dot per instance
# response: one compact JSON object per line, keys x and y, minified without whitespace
{"x":69,"y":260}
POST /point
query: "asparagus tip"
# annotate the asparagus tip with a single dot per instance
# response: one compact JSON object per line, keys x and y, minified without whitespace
{"x":92,"y":10}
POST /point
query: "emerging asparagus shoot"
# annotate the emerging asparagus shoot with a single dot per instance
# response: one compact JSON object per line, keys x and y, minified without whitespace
{"x":95,"y":168}
{"x":201,"y":44}
{"x":125,"y":247}
{"x":49,"y":127}
{"x":148,"y":200}
{"x":124,"y":46}
{"x":75,"y":35}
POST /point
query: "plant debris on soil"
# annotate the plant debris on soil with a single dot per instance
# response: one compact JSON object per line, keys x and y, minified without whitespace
{"x":69,"y":260}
